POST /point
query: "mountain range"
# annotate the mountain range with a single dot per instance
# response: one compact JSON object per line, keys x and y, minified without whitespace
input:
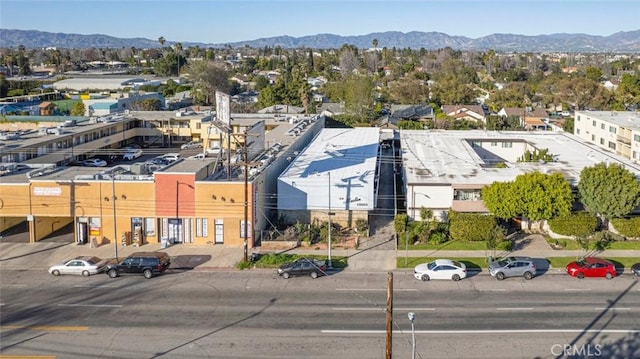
{"x":620,"y":42}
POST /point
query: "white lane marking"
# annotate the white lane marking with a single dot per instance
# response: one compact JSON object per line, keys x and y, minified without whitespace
{"x":612,"y":308}
{"x":94,"y":286}
{"x":514,"y":308}
{"x":92,"y":305}
{"x":374,"y":290}
{"x":1,"y":304}
{"x":505,"y":331}
{"x":15,"y":285}
{"x":577,"y":289}
{"x":495,"y":290}
{"x":374,"y":309}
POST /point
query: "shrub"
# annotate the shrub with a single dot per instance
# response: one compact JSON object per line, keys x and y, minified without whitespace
{"x":579,"y":224}
{"x":471,"y":226}
{"x":628,"y":227}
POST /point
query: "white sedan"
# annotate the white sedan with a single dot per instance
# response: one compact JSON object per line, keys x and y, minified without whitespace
{"x":94,"y":162}
{"x":84,"y":266}
{"x":440,"y":269}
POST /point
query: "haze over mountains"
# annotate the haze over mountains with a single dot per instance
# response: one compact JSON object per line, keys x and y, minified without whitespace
{"x":620,"y":42}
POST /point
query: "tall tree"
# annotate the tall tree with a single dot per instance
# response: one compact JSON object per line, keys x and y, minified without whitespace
{"x":533,"y":195}
{"x":161,"y":40}
{"x":608,"y":190}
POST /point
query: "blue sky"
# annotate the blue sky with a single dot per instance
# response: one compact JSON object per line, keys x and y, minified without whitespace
{"x":219,"y":21}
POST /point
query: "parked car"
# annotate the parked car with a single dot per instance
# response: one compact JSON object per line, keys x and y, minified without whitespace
{"x":199,"y":156}
{"x":145,"y":263}
{"x":172,"y":157}
{"x":302,"y":266}
{"x":191,"y":145}
{"x":501,"y":268}
{"x":94,"y":162}
{"x":83,"y":265}
{"x":132,"y":154}
{"x":635,"y":269}
{"x":591,"y":267}
{"x":440,"y":269}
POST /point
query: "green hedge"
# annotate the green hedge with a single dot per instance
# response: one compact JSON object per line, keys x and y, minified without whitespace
{"x":628,"y":227}
{"x":579,"y":224}
{"x":471,"y":226}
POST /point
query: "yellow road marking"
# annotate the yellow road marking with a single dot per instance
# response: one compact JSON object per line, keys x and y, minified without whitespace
{"x":47,"y":327}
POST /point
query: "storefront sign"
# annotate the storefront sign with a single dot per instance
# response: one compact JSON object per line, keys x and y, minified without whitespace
{"x":47,"y":191}
{"x":94,"y":231}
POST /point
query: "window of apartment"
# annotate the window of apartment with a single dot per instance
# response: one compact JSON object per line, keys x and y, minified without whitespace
{"x":636,"y":138}
{"x":635,"y":155}
{"x":494,"y":144}
{"x":602,"y":141}
{"x":594,"y":123}
{"x":466,"y":195}
{"x":612,"y":145}
{"x":612,"y":129}
{"x":577,"y":131}
{"x":593,"y":137}
{"x":602,"y":126}
{"x":507,"y":144}
{"x":578,"y":118}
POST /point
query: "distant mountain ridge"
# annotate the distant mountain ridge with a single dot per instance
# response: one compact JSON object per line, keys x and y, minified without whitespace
{"x":621,"y":42}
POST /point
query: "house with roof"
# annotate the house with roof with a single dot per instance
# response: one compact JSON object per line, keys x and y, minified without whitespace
{"x":331,"y":109}
{"x":419,"y":112}
{"x":475,"y":113}
{"x":47,"y":108}
{"x":530,"y":119}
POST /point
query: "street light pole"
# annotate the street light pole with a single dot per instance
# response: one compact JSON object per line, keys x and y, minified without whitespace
{"x":412,"y":318}
{"x":329,"y":264}
{"x":115,"y":226}
{"x":175,"y":225}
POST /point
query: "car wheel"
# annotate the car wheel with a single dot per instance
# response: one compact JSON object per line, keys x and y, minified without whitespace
{"x":314,"y":275}
{"x":455,"y":277}
{"x":528,"y":275}
{"x":500,"y":276}
{"x":56,"y":273}
{"x":285,"y":275}
{"x":608,"y":275}
{"x":86,"y":273}
{"x":425,"y":278}
{"x":580,"y":275}
{"x":112,"y":273}
{"x":147,"y":273}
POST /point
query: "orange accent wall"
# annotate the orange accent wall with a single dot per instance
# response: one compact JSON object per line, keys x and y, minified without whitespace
{"x":175,"y":194}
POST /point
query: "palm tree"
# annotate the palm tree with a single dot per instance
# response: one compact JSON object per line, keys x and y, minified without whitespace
{"x":179,"y":51}
{"x":161,"y":40}
{"x":375,"y":43}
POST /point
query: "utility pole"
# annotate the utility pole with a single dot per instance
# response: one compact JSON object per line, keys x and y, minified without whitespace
{"x":246,"y":200}
{"x":115,"y":220}
{"x":389,"y":311}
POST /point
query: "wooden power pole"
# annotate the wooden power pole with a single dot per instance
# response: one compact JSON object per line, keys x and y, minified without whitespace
{"x":389,"y":313}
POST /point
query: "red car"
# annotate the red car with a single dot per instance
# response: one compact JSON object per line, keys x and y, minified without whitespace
{"x":591,"y":267}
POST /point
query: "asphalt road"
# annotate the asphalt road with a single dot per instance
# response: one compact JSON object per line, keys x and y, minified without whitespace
{"x":256,"y":314}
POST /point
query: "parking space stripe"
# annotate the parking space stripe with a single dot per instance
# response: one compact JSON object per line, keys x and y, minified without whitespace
{"x":514,"y":308}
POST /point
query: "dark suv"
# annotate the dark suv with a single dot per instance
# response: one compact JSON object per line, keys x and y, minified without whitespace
{"x":145,"y":263}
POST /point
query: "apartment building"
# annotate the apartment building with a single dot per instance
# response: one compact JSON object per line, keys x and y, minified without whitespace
{"x":614,"y":131}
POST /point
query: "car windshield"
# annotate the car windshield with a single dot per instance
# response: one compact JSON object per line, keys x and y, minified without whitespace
{"x":581,"y":262}
{"x":503,"y":262}
{"x":431,"y":265}
{"x":93,"y":260}
{"x":457,"y":264}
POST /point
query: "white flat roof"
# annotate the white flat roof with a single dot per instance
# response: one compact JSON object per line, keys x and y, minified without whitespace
{"x":341,"y":159}
{"x":442,"y":157}
{"x":626,"y":119}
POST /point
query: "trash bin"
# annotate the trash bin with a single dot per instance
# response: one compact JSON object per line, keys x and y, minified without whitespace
{"x":164,"y":242}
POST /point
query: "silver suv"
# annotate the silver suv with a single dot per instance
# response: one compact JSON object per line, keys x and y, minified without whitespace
{"x":502,"y":268}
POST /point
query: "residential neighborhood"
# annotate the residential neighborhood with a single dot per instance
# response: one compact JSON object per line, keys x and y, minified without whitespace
{"x":219,"y":173}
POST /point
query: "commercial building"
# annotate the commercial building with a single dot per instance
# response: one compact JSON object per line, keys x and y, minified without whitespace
{"x":212,"y":200}
{"x":336,"y":173}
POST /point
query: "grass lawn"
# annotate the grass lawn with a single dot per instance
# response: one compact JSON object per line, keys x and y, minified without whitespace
{"x":570,"y":244}
{"x":470,"y":262}
{"x":276,"y":260}
{"x":619,"y":262}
